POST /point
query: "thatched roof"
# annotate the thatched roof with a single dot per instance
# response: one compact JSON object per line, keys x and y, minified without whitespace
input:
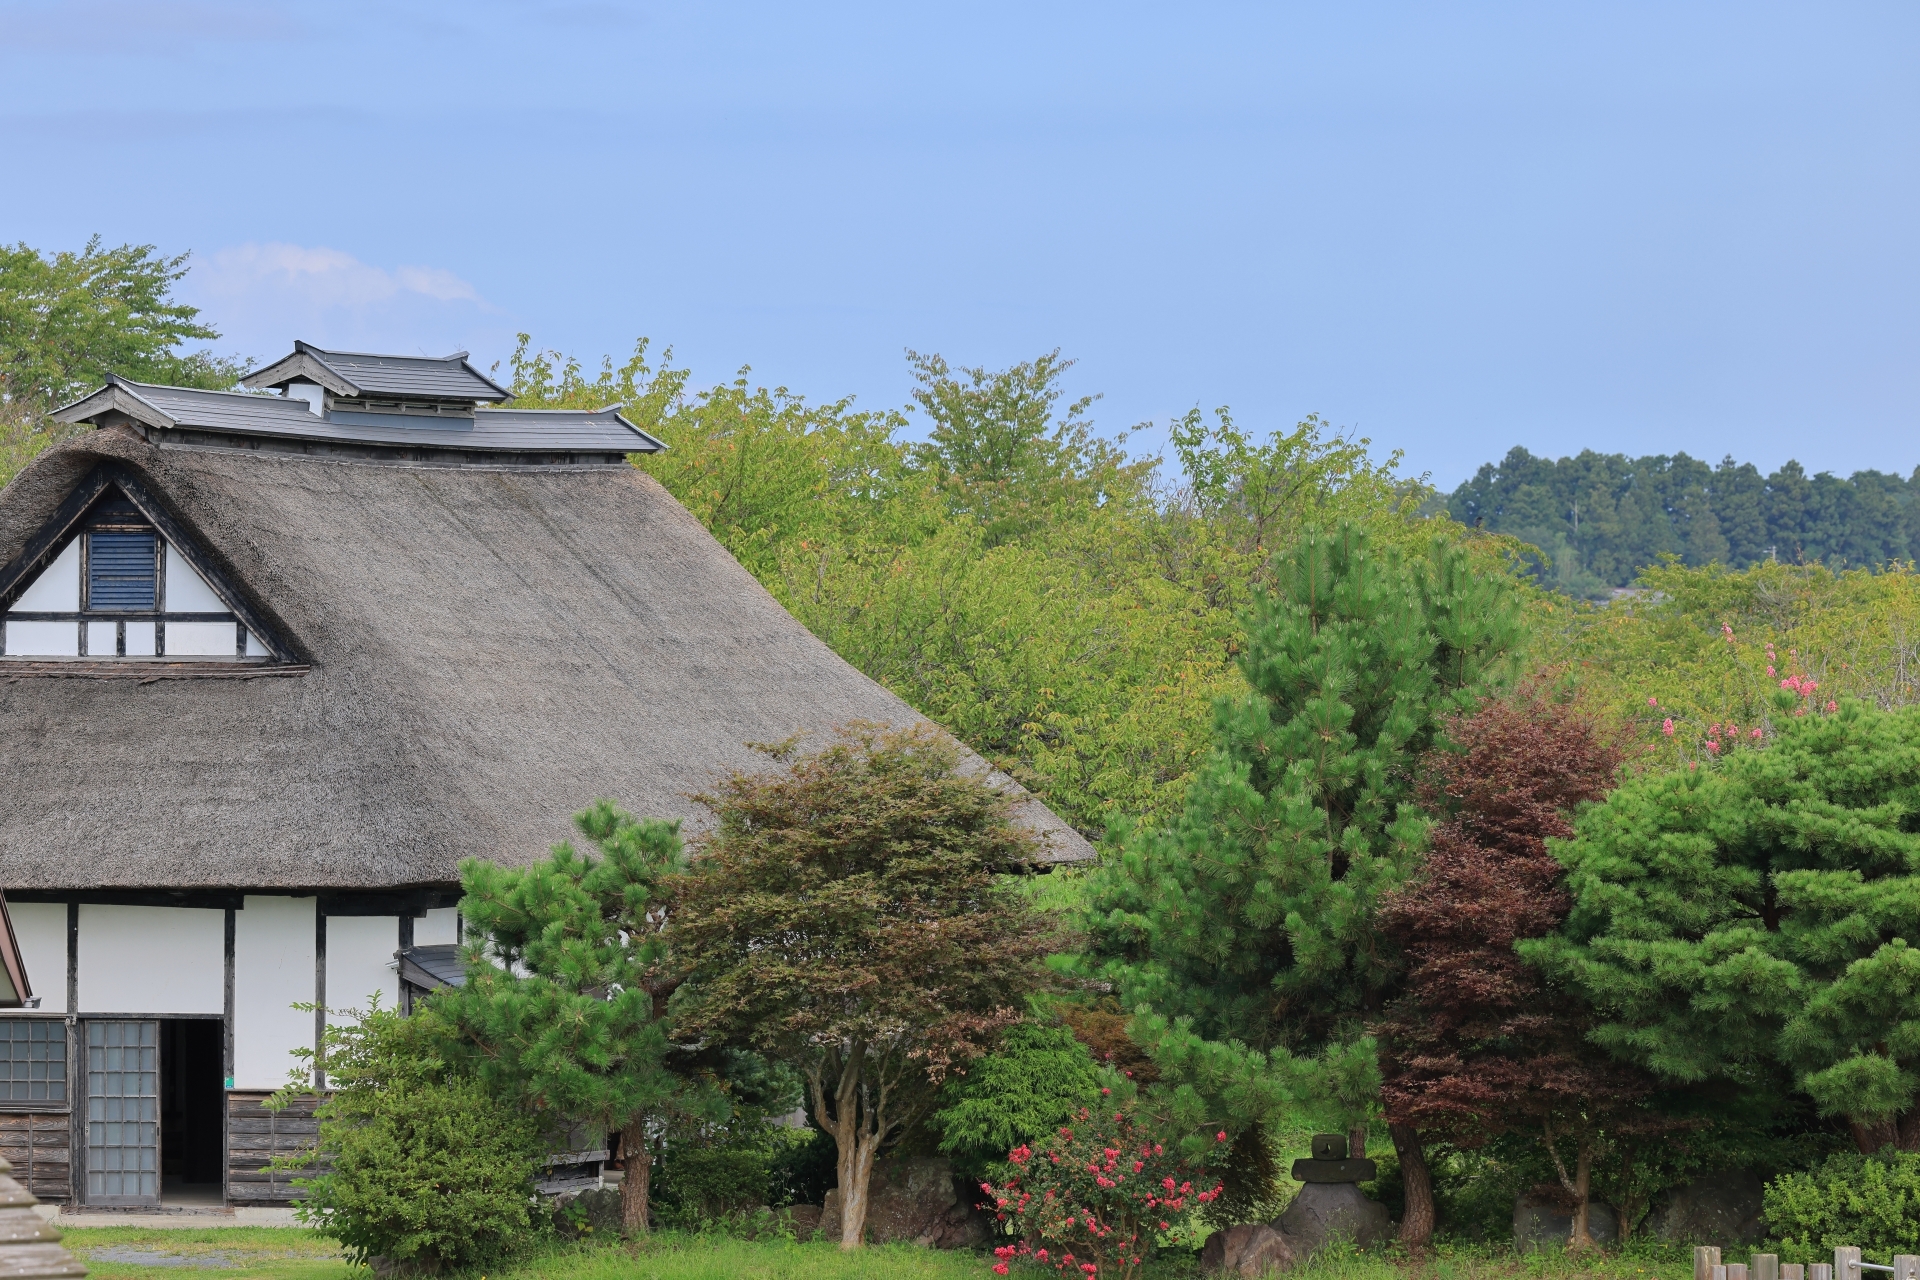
{"x":489,"y":649}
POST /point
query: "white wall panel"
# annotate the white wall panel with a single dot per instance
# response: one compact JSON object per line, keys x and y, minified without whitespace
{"x":152,"y":960}
{"x":57,"y":589}
{"x":43,"y":639}
{"x":436,"y":928}
{"x":360,"y":962}
{"x":272,"y":969}
{"x":139,"y":639}
{"x":41,"y":928}
{"x":103,"y":639}
{"x":202,"y":640}
{"x":187,"y":591}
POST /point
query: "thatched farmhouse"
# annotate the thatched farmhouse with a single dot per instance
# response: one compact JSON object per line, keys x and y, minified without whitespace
{"x":272,"y":665}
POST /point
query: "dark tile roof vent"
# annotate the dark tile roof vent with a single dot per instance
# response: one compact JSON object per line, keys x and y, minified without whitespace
{"x":356,"y":375}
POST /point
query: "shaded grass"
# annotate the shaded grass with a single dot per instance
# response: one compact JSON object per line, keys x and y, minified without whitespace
{"x":283,"y":1253}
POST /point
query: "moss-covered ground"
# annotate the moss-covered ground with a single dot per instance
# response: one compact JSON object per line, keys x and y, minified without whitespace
{"x":137,"y":1253}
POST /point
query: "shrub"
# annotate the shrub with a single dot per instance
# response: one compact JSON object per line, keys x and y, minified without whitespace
{"x":418,"y":1163}
{"x":1038,"y":1079}
{"x":742,"y":1168}
{"x":1869,"y":1201}
{"x":1096,"y":1198}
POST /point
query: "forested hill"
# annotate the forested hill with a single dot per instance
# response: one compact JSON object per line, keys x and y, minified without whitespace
{"x":1600,"y":518}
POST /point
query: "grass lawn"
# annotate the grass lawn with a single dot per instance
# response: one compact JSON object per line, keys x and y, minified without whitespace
{"x":280,"y":1253}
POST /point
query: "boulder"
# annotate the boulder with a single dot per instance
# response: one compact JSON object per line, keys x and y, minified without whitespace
{"x":1251,"y":1251}
{"x":915,"y":1200}
{"x":591,"y":1213}
{"x":1722,"y":1208}
{"x":1327,"y":1211}
{"x":1542,"y":1221}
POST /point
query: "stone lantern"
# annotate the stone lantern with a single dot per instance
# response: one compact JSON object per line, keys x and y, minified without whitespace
{"x":29,"y":1245}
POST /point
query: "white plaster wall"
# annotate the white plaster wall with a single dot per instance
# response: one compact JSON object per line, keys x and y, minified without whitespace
{"x":57,"y":589}
{"x":152,"y":960}
{"x":436,"y":928}
{"x":272,"y":969}
{"x":360,"y":962}
{"x":103,"y":639}
{"x":41,"y":929}
{"x":187,"y":591}
{"x":139,"y":639}
{"x":43,"y":639}
{"x":201,"y":640}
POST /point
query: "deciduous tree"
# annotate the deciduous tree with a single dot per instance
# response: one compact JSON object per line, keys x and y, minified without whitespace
{"x":844,"y":916}
{"x":1476,"y":1042}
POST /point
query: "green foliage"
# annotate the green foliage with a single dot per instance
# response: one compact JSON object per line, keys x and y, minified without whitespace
{"x":1755,"y":914}
{"x":844,"y":917}
{"x":1700,"y":644}
{"x":68,"y":320}
{"x":728,"y":1172}
{"x":564,"y":1005}
{"x":1248,"y":926}
{"x":420,"y":1162}
{"x":1603,"y":518}
{"x":1033,"y":1081}
{"x":1868,"y":1201}
{"x":1015,"y":578}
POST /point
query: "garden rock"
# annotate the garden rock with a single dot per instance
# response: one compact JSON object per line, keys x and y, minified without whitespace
{"x":1327,"y":1211}
{"x":1723,"y":1207}
{"x":914,"y":1200}
{"x":1252,"y":1250}
{"x":594,"y":1212}
{"x":1544,"y":1222}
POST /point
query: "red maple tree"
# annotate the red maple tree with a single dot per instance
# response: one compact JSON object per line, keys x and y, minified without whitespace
{"x":1477,"y":1043}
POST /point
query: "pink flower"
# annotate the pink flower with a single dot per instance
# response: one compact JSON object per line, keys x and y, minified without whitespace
{"x":1770,"y":671}
{"x":1667,"y":727}
{"x":999,"y":1268}
{"x":1808,"y":686}
{"x":1693,"y":764}
{"x":1713,"y":746}
{"x":1755,"y":735}
{"x":1833,"y":706}
{"x":1653,"y":702}
{"x":1220,"y":1136}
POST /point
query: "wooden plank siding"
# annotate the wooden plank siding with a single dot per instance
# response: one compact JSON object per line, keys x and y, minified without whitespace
{"x":256,"y":1136}
{"x":39,"y":1146}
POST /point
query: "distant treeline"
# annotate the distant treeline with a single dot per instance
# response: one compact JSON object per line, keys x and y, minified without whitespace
{"x":1599,"y":518}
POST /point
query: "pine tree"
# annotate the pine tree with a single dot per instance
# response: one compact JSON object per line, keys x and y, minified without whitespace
{"x":1248,"y":929}
{"x":1762,"y":914}
{"x":564,"y":1005}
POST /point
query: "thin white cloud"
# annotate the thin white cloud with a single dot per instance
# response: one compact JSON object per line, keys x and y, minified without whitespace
{"x":322,"y":277}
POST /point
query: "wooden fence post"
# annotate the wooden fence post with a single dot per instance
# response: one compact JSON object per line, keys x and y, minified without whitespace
{"x":1793,"y":1271}
{"x":1765,"y":1266}
{"x":1846,"y":1263}
{"x":1906,"y":1266}
{"x":1820,"y":1271}
{"x":1705,"y":1258}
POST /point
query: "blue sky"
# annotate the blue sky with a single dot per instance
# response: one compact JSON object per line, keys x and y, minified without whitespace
{"x":1449,"y":227}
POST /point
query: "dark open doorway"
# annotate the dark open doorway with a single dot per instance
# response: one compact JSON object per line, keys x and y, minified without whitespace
{"x":191,"y":1097}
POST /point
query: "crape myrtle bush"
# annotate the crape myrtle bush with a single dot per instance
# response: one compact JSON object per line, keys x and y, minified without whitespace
{"x":417,"y":1162}
{"x":1869,"y":1201}
{"x":1097,"y":1197}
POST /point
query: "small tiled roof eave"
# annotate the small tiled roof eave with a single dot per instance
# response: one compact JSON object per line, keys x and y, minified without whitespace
{"x":359,"y":373}
{"x":486,"y":430}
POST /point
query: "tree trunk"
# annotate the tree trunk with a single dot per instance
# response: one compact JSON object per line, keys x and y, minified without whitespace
{"x":637,"y":1156}
{"x":1416,"y":1223}
{"x":1871,"y":1135}
{"x":1909,"y":1130}
{"x":1580,"y":1238}
{"x":856,"y":1177}
{"x":1357,"y":1142}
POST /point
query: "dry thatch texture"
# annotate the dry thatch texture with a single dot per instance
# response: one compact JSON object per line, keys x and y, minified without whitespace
{"x":492,"y":649}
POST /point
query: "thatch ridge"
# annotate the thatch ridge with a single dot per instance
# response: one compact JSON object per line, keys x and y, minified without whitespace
{"x":491,"y":648}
